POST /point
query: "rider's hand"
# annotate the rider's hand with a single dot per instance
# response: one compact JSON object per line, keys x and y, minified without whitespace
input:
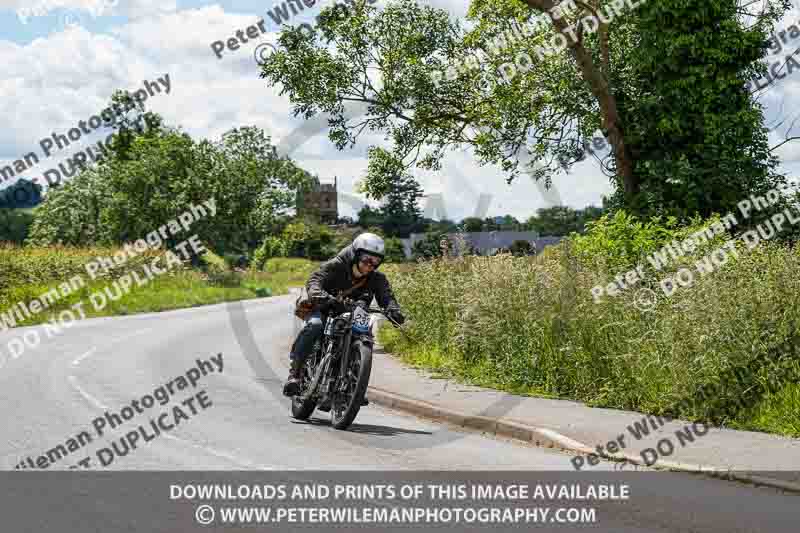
{"x":395,"y":316}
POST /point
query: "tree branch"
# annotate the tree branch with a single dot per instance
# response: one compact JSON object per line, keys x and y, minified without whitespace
{"x":784,"y":142}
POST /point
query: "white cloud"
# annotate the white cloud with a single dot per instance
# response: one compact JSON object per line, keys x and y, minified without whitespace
{"x":135,"y":9}
{"x":27,"y":9}
{"x":454,"y":7}
{"x":54,"y":82}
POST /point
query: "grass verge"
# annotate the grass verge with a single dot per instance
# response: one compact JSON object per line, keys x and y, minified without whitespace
{"x":530,"y":325}
{"x":34,"y":272}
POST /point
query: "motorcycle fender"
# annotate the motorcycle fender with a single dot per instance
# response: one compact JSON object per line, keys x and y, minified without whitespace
{"x":366,"y":341}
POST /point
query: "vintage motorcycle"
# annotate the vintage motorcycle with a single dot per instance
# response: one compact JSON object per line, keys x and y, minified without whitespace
{"x":337,"y":372}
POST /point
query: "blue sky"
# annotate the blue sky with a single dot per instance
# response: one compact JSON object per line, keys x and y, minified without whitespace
{"x":61,"y":68}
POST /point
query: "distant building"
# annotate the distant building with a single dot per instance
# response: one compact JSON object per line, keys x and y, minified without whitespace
{"x":487,"y":242}
{"x":321,"y":201}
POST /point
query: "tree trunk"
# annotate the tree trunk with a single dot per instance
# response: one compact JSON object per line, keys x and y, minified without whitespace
{"x":608,"y":104}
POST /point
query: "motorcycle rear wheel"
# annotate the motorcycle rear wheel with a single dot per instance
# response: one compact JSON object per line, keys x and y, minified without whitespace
{"x":302,"y":409}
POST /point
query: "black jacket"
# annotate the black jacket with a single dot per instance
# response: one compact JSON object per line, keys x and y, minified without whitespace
{"x":336,"y":275}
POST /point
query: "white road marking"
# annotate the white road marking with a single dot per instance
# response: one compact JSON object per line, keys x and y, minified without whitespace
{"x":94,"y":401}
{"x":84,"y":356}
{"x":81,"y":357}
{"x":74,"y":382}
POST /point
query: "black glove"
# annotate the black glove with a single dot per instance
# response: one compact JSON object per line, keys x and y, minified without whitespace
{"x":395,"y":316}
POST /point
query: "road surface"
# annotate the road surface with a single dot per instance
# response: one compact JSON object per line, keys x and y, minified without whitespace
{"x":58,"y":390}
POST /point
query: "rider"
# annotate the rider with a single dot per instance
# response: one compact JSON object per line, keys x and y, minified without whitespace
{"x":348,"y":268}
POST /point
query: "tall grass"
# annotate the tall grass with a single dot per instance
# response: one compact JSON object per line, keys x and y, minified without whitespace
{"x":530,"y":325}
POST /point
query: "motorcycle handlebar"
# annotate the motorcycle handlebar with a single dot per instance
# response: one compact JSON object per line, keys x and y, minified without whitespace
{"x":350,"y":303}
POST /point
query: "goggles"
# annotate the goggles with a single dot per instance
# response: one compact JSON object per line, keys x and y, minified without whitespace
{"x":370,"y":260}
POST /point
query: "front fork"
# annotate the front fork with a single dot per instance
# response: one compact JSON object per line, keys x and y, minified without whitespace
{"x":344,"y":367}
{"x":337,"y":382}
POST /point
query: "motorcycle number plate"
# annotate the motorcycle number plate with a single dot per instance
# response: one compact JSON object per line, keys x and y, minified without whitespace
{"x":360,"y":320}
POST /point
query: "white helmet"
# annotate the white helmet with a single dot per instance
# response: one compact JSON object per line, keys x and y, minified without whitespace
{"x":368,"y":243}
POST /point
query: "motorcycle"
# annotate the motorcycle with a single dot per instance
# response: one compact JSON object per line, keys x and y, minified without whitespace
{"x":337,"y":372}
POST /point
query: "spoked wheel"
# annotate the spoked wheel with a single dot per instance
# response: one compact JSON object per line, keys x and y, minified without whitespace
{"x":347,"y":402}
{"x":301,"y":410}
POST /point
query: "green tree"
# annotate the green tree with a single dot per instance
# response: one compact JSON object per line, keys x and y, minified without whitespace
{"x":472,"y":224}
{"x":308,"y":239}
{"x":256,"y":187}
{"x":21,"y":195}
{"x":394,"y":250}
{"x":400,"y":210}
{"x":369,"y":216}
{"x":522,"y":248}
{"x":70,"y":213}
{"x":160,"y":175}
{"x":562,"y":220}
{"x":704,"y":148}
{"x":668,"y":69}
{"x":14,"y":225}
{"x":429,"y":247}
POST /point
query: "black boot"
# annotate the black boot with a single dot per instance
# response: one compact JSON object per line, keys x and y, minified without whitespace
{"x":295,"y":381}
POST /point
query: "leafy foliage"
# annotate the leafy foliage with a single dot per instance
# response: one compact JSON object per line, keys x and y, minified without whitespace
{"x":271,"y":247}
{"x":562,"y":220}
{"x":298,"y":239}
{"x":305,"y":239}
{"x":22,"y":194}
{"x":160,"y":175}
{"x":522,"y":248}
{"x":430,"y":246}
{"x":394,"y":250}
{"x":665,"y":83}
{"x":696,"y":132}
{"x":14,"y":225}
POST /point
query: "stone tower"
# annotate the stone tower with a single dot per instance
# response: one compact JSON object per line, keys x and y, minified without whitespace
{"x":320,"y":202}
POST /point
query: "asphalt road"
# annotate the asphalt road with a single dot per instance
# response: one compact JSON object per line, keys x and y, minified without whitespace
{"x":55,"y":391}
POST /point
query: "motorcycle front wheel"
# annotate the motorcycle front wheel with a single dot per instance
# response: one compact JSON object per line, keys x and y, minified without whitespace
{"x":347,"y":403}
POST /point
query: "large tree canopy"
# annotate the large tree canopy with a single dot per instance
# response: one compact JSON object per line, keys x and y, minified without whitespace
{"x":665,"y":81}
{"x":158,"y":176}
